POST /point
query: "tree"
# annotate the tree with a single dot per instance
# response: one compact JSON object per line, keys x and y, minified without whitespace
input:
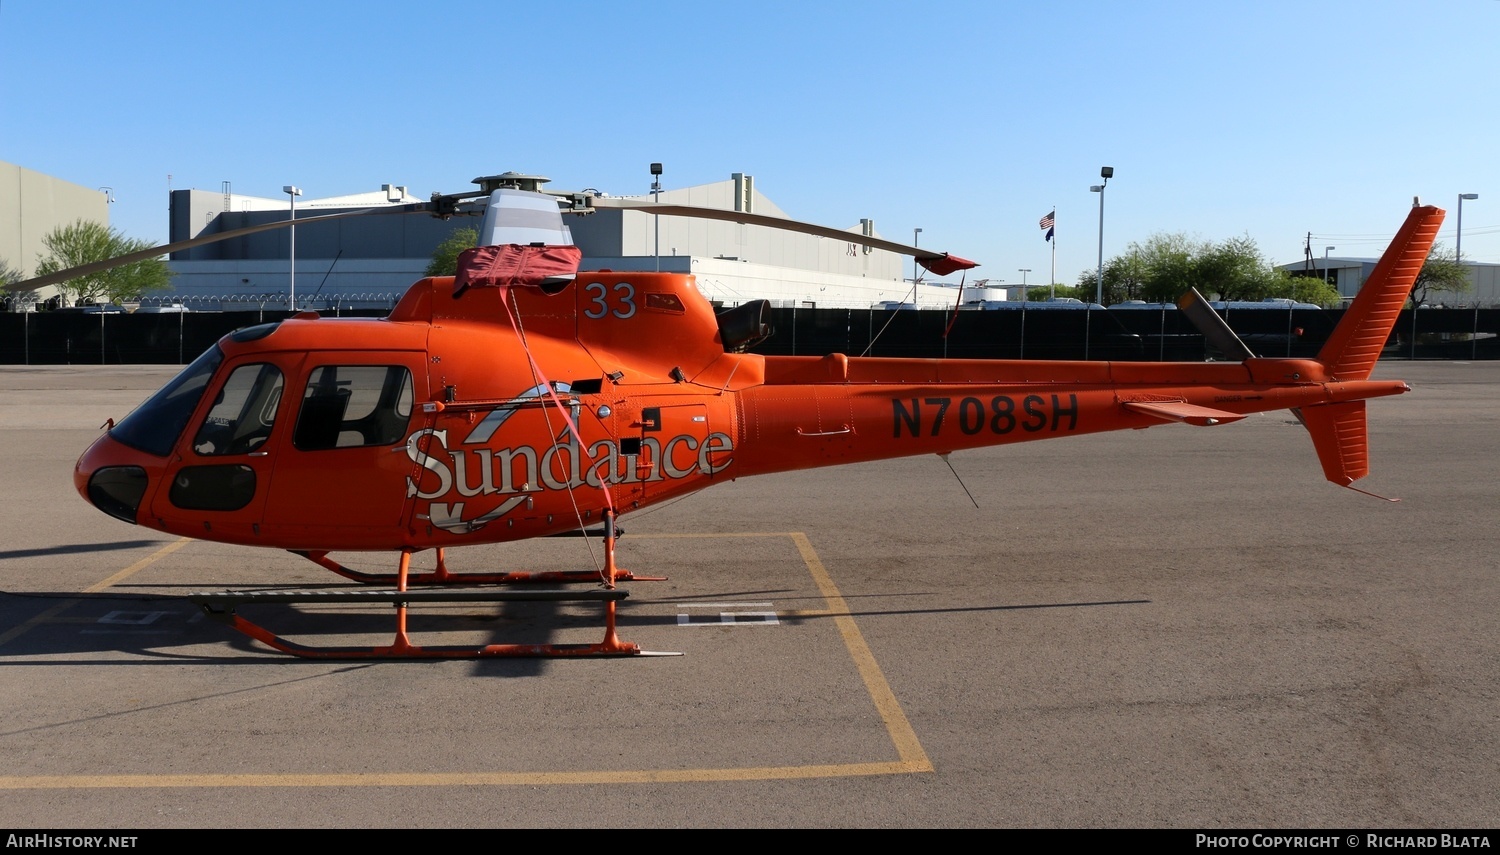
{"x":1158,"y":271}
{"x":1039,"y":293}
{"x":1234,"y":268}
{"x":1163,"y":267}
{"x":8,"y":300}
{"x":1305,"y":289}
{"x":86,"y":241}
{"x":445,"y":257}
{"x":1442,"y":271}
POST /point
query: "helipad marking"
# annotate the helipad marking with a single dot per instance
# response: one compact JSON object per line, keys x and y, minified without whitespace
{"x":730,"y":614}
{"x":50,"y":615}
{"x":911,"y":757}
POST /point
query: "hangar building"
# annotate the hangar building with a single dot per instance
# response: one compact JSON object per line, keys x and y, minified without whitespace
{"x":366,"y":262}
{"x":1348,"y":275}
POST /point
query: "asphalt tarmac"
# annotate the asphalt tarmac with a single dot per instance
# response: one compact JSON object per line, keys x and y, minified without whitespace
{"x":1173,"y":628}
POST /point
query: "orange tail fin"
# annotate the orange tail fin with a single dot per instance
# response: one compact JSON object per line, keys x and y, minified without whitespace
{"x":1339,"y":435}
{"x":1351,"y":351}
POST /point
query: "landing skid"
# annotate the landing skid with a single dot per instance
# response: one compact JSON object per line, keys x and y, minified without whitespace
{"x":223,"y":607}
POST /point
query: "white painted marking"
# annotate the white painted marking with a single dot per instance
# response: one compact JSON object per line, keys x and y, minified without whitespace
{"x":730,"y":614}
{"x":124,"y":618}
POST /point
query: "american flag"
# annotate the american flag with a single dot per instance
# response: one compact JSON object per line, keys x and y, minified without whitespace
{"x":1047,"y":223}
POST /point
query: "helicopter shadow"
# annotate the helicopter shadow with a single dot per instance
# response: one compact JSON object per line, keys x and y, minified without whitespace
{"x":115,"y":628}
{"x":78,"y":548}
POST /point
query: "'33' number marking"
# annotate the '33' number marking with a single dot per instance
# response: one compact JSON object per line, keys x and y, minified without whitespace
{"x":599,"y":304}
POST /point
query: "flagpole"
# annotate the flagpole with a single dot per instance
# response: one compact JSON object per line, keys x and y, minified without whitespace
{"x":1049,"y":225}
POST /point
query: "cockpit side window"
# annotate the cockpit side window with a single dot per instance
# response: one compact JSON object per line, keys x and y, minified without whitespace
{"x":155,"y":425}
{"x":347,"y":406}
{"x":243,"y":413}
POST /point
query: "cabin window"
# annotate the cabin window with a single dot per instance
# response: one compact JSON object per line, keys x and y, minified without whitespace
{"x":347,"y":406}
{"x":243,"y":413}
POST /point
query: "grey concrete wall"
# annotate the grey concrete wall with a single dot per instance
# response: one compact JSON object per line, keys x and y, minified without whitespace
{"x":33,"y":204}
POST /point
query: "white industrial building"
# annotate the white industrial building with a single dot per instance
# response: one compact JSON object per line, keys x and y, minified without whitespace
{"x":1348,"y":275}
{"x":369,"y":261}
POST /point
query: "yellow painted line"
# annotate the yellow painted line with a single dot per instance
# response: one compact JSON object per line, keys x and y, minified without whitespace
{"x":139,"y":565}
{"x":50,"y":615}
{"x":679,"y":536}
{"x":913,"y":758}
{"x":457,"y":779}
{"x":907,"y":745}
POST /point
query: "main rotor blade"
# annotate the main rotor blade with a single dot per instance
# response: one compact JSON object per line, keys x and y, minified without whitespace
{"x":923,"y":256}
{"x":215,"y":237}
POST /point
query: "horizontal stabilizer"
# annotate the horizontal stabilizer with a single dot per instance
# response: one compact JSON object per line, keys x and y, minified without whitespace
{"x":1180,"y":411}
{"x":1339,"y":435}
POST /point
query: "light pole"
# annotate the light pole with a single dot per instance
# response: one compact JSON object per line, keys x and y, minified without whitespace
{"x":656,"y":199}
{"x":1458,"y":243}
{"x":292,"y":192}
{"x":915,"y":236}
{"x":1106,"y":173}
{"x":1325,"y":262}
{"x":1023,"y":271}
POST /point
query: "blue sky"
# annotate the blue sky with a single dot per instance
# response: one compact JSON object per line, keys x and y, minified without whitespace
{"x":967,"y":120}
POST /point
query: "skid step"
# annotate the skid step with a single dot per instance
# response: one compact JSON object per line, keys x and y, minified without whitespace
{"x":209,"y":599}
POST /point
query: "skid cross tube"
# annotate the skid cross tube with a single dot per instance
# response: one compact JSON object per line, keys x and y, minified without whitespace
{"x":441,"y":575}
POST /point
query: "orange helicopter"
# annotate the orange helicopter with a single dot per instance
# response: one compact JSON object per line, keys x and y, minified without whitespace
{"x":524,"y":398}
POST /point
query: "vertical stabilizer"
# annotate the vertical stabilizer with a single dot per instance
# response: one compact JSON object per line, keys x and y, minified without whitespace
{"x":1342,"y":442}
{"x":1351,"y":351}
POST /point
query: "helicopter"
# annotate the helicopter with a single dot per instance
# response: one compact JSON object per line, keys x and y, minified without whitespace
{"x":524,"y":398}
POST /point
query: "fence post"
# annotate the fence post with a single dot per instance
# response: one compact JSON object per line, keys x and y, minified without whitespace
{"x":1088,"y":320}
{"x":1022,"y":354}
{"x":1161,"y":338}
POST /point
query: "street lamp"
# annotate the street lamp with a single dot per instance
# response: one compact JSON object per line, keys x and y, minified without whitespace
{"x":915,"y":236}
{"x":1023,"y":271}
{"x":1458,"y":243}
{"x":292,"y":192}
{"x":1326,"y":250}
{"x":655,"y":199}
{"x":1106,"y":173}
